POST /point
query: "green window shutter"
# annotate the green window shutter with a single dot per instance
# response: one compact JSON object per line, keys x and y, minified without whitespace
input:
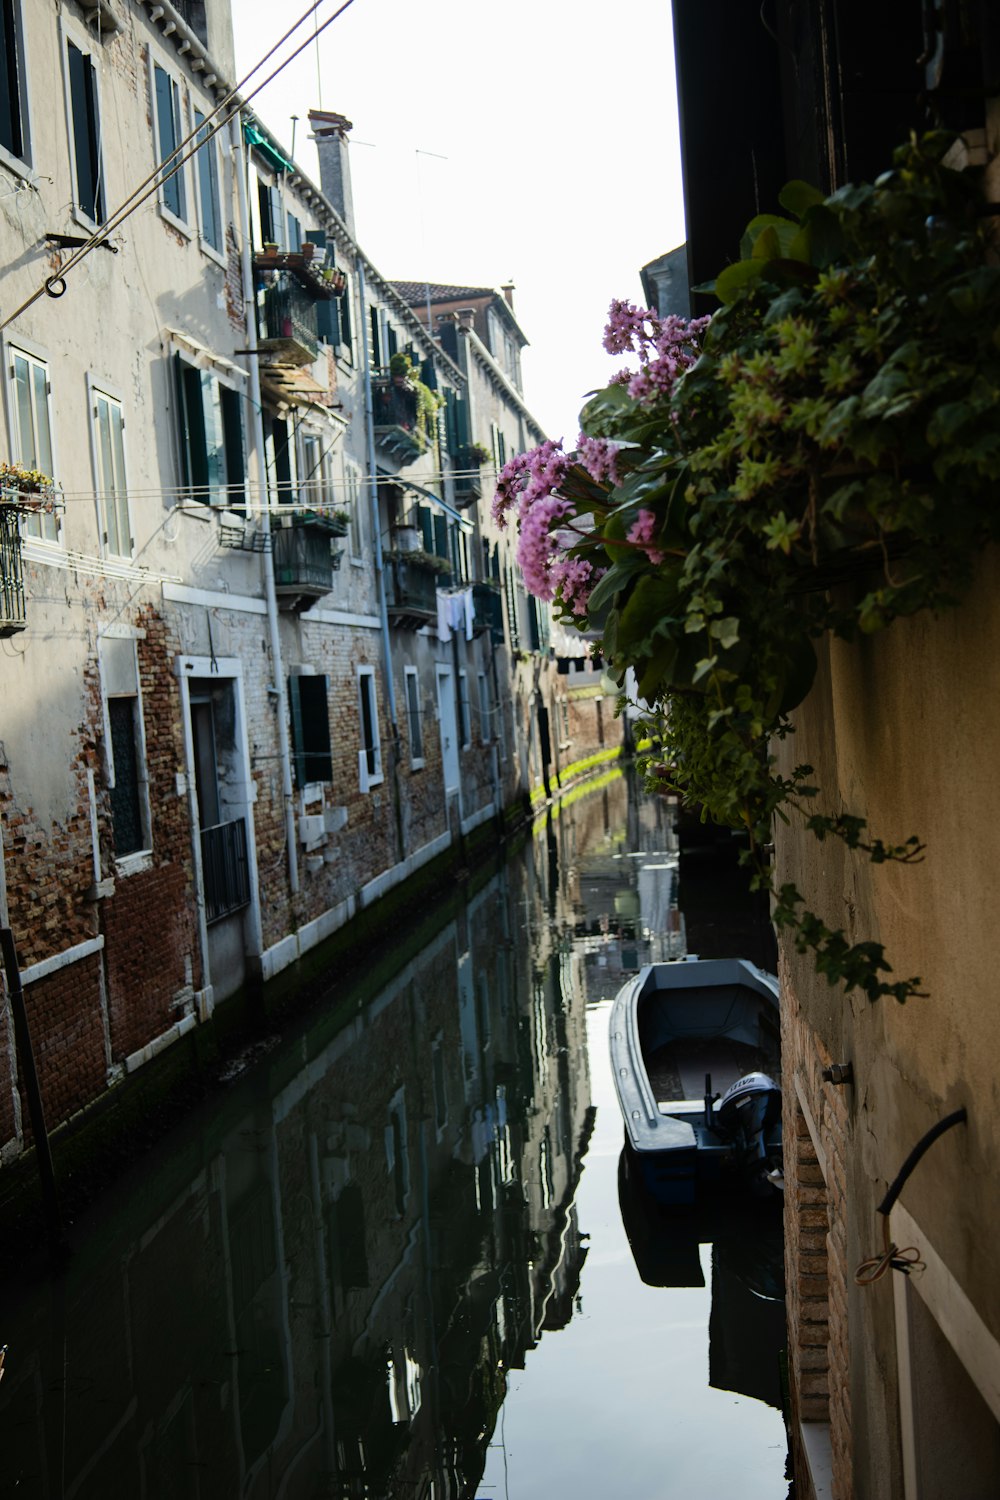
{"x":234,"y":446}
{"x":393,"y":342}
{"x":377,"y":360}
{"x":344,"y":314}
{"x":307,"y":701}
{"x":441,"y":535}
{"x":191,"y":425}
{"x":427,"y":527}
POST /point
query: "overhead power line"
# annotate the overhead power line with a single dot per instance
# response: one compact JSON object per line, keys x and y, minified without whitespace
{"x":200,"y":135}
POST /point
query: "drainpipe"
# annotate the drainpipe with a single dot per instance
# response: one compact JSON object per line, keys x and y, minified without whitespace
{"x":270,"y":595}
{"x":390,"y":686}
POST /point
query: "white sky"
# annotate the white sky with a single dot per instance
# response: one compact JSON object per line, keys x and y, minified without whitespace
{"x":559,"y":125}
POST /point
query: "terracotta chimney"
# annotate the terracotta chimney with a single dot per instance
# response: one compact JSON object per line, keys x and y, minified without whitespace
{"x":508,"y":291}
{"x":329,"y":131}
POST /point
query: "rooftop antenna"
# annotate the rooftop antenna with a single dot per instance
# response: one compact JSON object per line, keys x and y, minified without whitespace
{"x":295,"y":121}
{"x":319,"y":73}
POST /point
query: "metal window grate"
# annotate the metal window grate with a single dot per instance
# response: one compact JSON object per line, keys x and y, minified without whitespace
{"x":225,"y":869}
{"x":13,"y":616}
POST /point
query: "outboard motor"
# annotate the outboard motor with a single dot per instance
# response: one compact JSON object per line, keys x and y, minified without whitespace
{"x":749,"y":1113}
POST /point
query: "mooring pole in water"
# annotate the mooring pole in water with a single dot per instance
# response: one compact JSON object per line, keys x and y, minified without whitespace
{"x":26,"y":1061}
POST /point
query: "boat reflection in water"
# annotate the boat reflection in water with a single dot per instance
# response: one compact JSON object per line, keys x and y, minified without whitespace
{"x":319,"y":1285}
{"x":747,"y":1325}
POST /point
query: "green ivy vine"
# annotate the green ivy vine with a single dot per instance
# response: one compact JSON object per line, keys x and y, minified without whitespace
{"x":828,"y":465}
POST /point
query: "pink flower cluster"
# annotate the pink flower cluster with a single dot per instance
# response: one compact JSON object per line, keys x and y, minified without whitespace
{"x":599,"y":458}
{"x":666,"y":348}
{"x":530,"y":482}
{"x":643,"y":530}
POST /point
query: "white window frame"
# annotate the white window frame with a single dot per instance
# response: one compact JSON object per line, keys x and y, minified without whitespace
{"x":32,"y":352}
{"x":368,"y":777}
{"x":83,"y":40}
{"x":318,"y":480}
{"x":217,"y":496}
{"x":20,"y":165}
{"x":136,"y":859}
{"x":102,"y":391}
{"x":412,"y":676}
{"x":485,"y":709}
{"x":353,"y":491}
{"x":464,"y":711}
{"x":213,"y":146}
{"x":178,"y":94}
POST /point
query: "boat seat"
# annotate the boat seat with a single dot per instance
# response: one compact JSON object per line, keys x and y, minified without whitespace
{"x":675,"y":1135}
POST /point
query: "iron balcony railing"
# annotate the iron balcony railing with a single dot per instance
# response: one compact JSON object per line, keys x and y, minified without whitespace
{"x":225,"y":869}
{"x":290,"y":315}
{"x":396,"y":411}
{"x":411,"y":586}
{"x":13,"y":615}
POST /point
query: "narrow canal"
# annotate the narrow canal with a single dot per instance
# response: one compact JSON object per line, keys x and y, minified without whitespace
{"x":397,"y":1253}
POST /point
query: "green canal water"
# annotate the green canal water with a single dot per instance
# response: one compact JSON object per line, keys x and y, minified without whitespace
{"x":397,"y":1252}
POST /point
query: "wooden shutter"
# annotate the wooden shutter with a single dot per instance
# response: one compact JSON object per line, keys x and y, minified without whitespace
{"x":311,"y":750}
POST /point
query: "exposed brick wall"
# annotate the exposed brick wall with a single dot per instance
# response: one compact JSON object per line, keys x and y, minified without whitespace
{"x":146,"y":975}
{"x":67,"y":1039}
{"x":815,"y":1245}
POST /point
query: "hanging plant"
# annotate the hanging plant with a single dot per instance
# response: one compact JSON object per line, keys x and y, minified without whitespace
{"x":833,"y":422}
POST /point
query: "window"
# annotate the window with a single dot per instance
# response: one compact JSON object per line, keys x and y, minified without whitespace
{"x":352,"y":502}
{"x":85,"y":120}
{"x":370,"y":754}
{"x":413,"y":717}
{"x":13,"y":97}
{"x":294,"y":232}
{"x":464,"y":729}
{"x":396,"y":1151}
{"x":269,"y":206}
{"x":124,"y":741}
{"x":314,"y":474}
{"x":209,"y":203}
{"x":307,"y":698}
{"x":169,"y":134}
{"x":485,"y":715}
{"x":109,"y":449}
{"x":210,"y":432}
{"x":32,"y":432}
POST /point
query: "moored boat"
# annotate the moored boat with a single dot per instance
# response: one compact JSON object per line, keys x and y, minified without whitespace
{"x":680,"y":1032}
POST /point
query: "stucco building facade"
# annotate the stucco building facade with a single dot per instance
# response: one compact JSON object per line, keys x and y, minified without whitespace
{"x":254,"y":670}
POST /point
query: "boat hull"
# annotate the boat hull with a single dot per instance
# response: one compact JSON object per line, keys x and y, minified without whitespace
{"x":697,"y":1010}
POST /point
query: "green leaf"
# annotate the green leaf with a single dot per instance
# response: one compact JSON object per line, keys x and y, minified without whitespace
{"x":730,"y":282}
{"x":614,"y":580}
{"x":797,"y":196}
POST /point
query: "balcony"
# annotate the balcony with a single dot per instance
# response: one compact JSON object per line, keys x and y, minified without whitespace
{"x":412,"y":580}
{"x":288,"y":326}
{"x":304,"y":562}
{"x":225,"y":869}
{"x":487,"y":611}
{"x":398,"y":429}
{"x":465,"y":462}
{"x":13,"y":616}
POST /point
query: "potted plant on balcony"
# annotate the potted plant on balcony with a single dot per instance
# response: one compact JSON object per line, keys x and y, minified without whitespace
{"x":29,"y":489}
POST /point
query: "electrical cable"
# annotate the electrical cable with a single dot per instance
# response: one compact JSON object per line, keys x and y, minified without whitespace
{"x":201,"y":135}
{"x":892,"y":1258}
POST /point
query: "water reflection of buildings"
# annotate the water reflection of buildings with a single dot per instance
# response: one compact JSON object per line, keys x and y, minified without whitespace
{"x":376,"y":1223}
{"x":613,"y":883}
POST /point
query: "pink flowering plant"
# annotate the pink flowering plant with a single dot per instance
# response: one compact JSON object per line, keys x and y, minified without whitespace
{"x":833,"y":422}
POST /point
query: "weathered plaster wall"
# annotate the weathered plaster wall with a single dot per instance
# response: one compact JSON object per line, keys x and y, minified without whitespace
{"x":902,"y":729}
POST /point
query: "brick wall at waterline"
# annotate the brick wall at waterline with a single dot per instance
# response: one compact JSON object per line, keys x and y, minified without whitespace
{"x":815,"y":1243}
